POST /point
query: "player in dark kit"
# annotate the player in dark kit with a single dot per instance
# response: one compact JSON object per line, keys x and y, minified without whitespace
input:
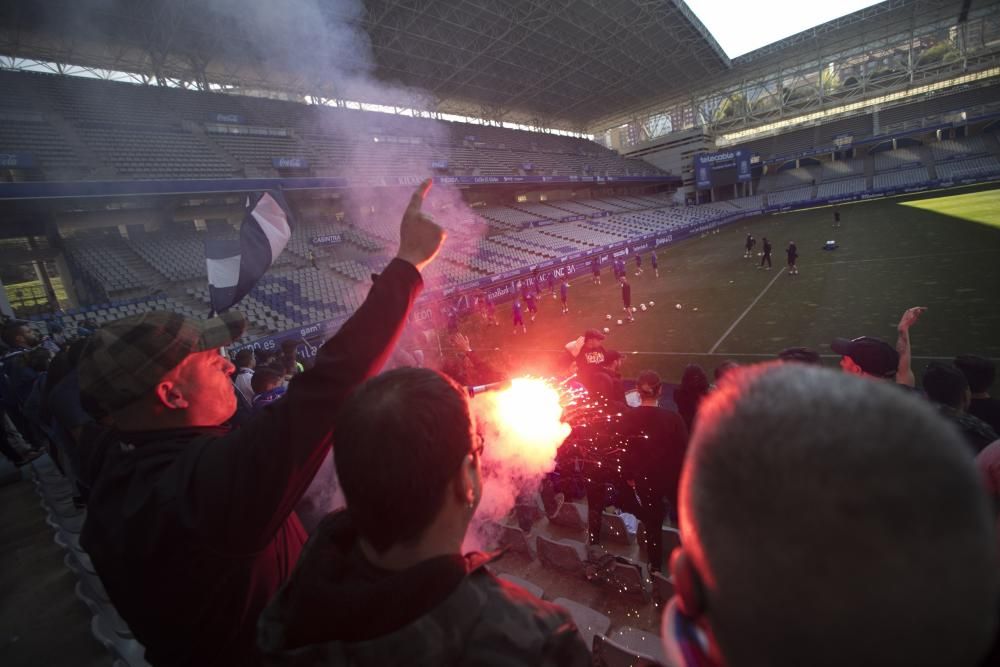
{"x":595,"y":270}
{"x":536,"y":281}
{"x":638,"y":264}
{"x":627,"y":299}
{"x":751,"y":242}
{"x":836,"y":217}
{"x":518,"y":317}
{"x":793,"y":254}
{"x":766,"y":257}
{"x":564,"y":295}
{"x":490,"y":310}
{"x":529,"y":301}
{"x":551,"y":283}
{"x":656,"y":266}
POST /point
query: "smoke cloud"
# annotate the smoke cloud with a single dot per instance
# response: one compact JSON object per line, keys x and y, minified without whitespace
{"x":522,"y":430}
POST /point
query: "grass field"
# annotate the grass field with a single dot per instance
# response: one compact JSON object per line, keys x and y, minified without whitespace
{"x":936,"y":250}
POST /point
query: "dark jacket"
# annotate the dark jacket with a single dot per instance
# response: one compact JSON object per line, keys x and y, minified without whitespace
{"x":192,"y":530}
{"x":338,"y":609}
{"x":975,"y":431}
{"x":607,"y":384}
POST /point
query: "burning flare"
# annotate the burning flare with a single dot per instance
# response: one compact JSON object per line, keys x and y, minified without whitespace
{"x":523,"y":424}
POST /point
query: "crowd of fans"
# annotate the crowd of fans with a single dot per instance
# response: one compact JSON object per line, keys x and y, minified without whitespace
{"x":826,"y":517}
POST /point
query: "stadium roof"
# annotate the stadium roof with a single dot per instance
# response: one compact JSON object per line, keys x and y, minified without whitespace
{"x":551,"y":63}
{"x":571,"y":64}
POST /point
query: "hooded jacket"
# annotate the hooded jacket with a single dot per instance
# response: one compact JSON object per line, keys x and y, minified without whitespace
{"x":339,"y":609}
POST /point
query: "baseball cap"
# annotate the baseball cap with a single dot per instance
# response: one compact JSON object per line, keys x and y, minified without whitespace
{"x":125,"y":359}
{"x":874,"y":356}
{"x":593,"y":333}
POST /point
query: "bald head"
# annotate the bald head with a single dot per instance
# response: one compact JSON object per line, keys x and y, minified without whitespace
{"x":834,"y":520}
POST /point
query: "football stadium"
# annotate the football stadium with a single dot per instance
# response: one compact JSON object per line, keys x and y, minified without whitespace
{"x":621,"y":332}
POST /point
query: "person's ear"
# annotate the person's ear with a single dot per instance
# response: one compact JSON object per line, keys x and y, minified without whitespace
{"x":848,"y":365}
{"x":687,"y":584}
{"x":170,"y":396}
{"x":467,"y":483}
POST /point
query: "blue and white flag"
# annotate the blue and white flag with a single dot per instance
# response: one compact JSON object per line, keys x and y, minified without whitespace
{"x":235,"y":265}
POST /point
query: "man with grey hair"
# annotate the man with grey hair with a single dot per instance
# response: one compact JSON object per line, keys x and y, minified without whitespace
{"x":829,"y":520}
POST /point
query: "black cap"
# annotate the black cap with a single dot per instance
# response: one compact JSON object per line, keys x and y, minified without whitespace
{"x":593,"y":333}
{"x":874,"y":356}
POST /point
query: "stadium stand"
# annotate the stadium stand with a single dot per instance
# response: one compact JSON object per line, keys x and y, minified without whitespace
{"x":157,"y":132}
{"x":899,"y":158}
{"x":107,"y":626}
{"x":843,"y":169}
{"x":976,"y":166}
{"x":544,"y":211}
{"x":788,"y":178}
{"x":840,"y":187}
{"x":30,"y":133}
{"x":142,"y":153}
{"x":952,"y":149}
{"x":105,"y":258}
{"x":790,"y":196}
{"x":914,"y":175}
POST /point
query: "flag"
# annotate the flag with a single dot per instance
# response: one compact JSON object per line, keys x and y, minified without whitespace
{"x":235,"y":265}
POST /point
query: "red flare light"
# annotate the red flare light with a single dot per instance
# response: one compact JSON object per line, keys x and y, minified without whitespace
{"x":522,"y":423}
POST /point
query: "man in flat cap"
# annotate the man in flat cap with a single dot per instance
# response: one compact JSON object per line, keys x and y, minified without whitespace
{"x":191,"y":527}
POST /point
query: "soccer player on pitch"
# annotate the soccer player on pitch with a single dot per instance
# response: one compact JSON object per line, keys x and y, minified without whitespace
{"x":793,"y":254}
{"x":836,"y":217}
{"x":595,"y":270}
{"x":627,"y":299}
{"x":638,"y":264}
{"x":751,"y":242}
{"x":529,"y":301}
{"x":518,"y":317}
{"x":766,"y":257}
{"x":490,"y":310}
{"x":564,"y":295}
{"x":656,"y":266}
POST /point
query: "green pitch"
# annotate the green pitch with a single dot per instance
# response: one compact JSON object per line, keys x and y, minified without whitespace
{"x":934,"y":250}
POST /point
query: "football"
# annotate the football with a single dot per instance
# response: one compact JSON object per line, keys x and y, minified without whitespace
{"x":619,"y":321}
{"x":678,"y":306}
{"x":608,"y":316}
{"x":607,"y":330}
{"x":633,"y":309}
{"x":650,"y":304}
{"x":642,"y":307}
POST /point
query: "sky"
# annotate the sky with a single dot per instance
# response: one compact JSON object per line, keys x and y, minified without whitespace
{"x":741,"y":26}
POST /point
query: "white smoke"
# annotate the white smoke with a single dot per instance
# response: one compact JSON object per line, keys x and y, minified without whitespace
{"x":522,"y":429}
